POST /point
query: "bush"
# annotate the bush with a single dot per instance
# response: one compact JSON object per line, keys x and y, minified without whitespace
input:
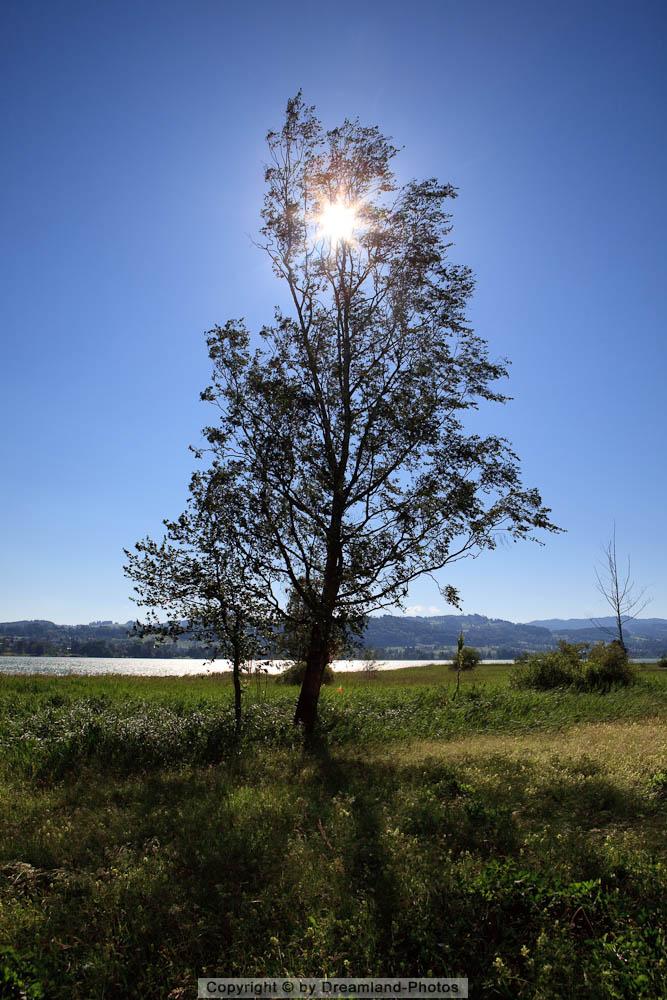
{"x":548,"y":671}
{"x":606,"y":666}
{"x":658,"y":785}
{"x":466,"y":659}
{"x":19,"y":978}
{"x":295,"y":673}
{"x":662,"y":662}
{"x":573,"y":665}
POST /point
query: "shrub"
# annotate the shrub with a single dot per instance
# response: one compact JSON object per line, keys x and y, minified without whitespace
{"x":573,"y":665}
{"x":662,"y":662}
{"x":295,"y":673}
{"x":658,"y":785}
{"x":606,"y":666}
{"x":19,"y":978}
{"x":466,"y":659}
{"x":560,"y":668}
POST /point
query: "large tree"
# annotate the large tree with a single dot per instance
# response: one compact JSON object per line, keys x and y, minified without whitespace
{"x":346,"y":420}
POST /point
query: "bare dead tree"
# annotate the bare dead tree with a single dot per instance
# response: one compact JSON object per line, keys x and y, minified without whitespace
{"x":619,"y":590}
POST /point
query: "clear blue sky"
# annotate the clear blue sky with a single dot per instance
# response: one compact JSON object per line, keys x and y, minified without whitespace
{"x":131,"y":181}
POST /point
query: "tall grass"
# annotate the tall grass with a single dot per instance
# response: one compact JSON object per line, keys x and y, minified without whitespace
{"x":142,"y":844}
{"x":52,"y":734}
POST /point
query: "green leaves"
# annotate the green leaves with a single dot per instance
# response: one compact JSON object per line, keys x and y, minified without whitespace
{"x":350,"y":471}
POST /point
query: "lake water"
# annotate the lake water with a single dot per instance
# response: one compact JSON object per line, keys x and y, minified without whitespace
{"x":58,"y":665}
{"x":134,"y":667}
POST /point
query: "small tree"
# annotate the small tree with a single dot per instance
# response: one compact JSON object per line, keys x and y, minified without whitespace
{"x":618,"y":590}
{"x":467,"y":658}
{"x":201,"y":580}
{"x":370,"y":664}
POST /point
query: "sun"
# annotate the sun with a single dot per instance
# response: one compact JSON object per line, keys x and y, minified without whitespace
{"x":338,"y":222}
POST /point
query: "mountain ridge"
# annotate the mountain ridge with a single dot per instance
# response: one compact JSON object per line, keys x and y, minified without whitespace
{"x":390,"y":636}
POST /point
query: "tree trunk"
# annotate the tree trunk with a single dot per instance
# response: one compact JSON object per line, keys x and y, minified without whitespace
{"x":316,"y":662}
{"x":319,"y":645}
{"x":236,"y":677}
{"x":619,"y":627}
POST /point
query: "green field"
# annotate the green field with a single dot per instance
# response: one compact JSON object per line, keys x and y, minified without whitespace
{"x":513,"y":837}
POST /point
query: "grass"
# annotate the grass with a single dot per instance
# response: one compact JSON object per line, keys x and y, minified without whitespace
{"x":514,"y":837}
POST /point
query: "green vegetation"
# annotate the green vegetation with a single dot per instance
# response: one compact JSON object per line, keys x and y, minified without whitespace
{"x":576,"y":666}
{"x":467,"y":658}
{"x":349,"y":470}
{"x":295,"y":673}
{"x":391,"y":636}
{"x":514,"y":836}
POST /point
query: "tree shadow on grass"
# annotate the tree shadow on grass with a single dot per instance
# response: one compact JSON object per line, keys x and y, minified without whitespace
{"x":286,"y":862}
{"x":369,"y":867}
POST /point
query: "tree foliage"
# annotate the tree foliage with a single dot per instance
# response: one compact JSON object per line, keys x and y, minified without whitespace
{"x":578,"y":666}
{"x":346,"y":421}
{"x":197,"y":580}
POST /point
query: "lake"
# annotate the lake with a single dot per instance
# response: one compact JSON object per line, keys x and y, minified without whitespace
{"x":55,"y":665}
{"x":128,"y":666}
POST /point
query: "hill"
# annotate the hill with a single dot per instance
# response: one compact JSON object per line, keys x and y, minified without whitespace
{"x":644,"y":637}
{"x":436,"y":636}
{"x":102,"y":638}
{"x":650,"y":627}
{"x":391,"y":636}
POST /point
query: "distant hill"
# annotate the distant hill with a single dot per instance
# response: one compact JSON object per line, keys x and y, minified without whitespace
{"x":644,"y":637}
{"x":391,"y":636}
{"x":642,"y":626}
{"x":103,"y":638}
{"x":437,"y":635}
{"x":565,"y":624}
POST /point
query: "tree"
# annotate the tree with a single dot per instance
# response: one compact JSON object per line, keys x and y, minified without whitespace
{"x":369,"y":663}
{"x":618,"y":590}
{"x":346,"y":421}
{"x":467,"y":658}
{"x":201,"y":579}
{"x":293,"y":638}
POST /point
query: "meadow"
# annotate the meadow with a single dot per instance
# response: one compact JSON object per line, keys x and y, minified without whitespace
{"x":512,"y":836}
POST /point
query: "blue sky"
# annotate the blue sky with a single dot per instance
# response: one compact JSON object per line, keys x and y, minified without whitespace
{"x":131,"y":182}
